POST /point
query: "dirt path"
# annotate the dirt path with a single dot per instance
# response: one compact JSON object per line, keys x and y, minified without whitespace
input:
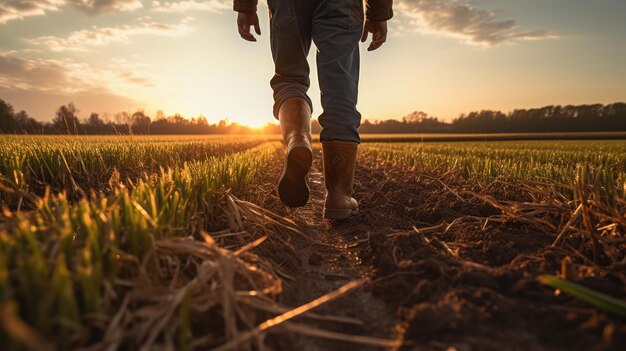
{"x":326,"y":266}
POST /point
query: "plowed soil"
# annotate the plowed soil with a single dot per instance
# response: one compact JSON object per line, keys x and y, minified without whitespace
{"x":466,"y":282}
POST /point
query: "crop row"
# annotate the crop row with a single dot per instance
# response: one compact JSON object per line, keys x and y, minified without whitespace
{"x":601,"y":164}
{"x":64,"y":264}
{"x":80,"y":165}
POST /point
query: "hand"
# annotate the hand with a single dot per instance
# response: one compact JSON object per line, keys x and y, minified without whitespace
{"x":244,"y":22}
{"x":379,"y":34}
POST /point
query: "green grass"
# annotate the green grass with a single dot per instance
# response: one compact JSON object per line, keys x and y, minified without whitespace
{"x":597,"y":299}
{"x":29,"y":164}
{"x":57,"y":259}
{"x":602,"y":164}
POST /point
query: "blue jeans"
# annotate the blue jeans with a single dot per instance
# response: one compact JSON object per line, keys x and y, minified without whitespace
{"x":335,"y":26}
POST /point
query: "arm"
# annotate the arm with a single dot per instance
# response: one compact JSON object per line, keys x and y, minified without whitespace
{"x":247,"y":18}
{"x":247,"y":6}
{"x":378,"y":10}
{"x":377,"y":14}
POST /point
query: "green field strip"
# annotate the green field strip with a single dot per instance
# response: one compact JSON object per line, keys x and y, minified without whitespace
{"x":57,"y":260}
{"x":602,"y":164}
{"x":79,"y":165}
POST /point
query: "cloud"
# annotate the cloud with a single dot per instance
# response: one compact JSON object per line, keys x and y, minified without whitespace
{"x":459,"y":19}
{"x":50,"y":75}
{"x":19,"y":9}
{"x":28,"y":74}
{"x":54,"y":82}
{"x":133,"y":78}
{"x":83,"y":40}
{"x":96,"y":7}
{"x":191,"y":5}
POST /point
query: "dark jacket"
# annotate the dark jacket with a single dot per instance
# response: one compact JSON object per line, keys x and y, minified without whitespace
{"x":377,"y":10}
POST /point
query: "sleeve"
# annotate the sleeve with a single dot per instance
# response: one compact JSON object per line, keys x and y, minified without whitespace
{"x":245,"y":5}
{"x":379,"y":10}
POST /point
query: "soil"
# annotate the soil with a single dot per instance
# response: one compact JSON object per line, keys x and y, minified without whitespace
{"x":330,"y":260}
{"x":465,"y":283}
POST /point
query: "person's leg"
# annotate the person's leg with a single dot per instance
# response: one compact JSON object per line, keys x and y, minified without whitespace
{"x":337,"y":29}
{"x":290,"y":37}
{"x":290,"y":40}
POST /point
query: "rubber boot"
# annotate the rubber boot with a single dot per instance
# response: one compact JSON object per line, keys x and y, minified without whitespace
{"x":339,"y":164}
{"x":295,"y":122}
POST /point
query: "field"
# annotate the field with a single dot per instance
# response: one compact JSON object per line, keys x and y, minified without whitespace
{"x":181,"y":243}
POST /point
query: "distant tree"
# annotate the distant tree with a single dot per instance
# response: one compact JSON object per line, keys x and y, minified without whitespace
{"x":27,"y":124}
{"x":415,"y":117}
{"x":140,"y":123}
{"x":95,"y":121}
{"x":7,"y":118}
{"x":95,"y":125}
{"x":177,"y":119}
{"x":66,"y":119}
{"x":22,"y":118}
{"x":202,"y":121}
{"x":416,"y":122}
{"x":160,"y":115}
{"x":124,"y":118}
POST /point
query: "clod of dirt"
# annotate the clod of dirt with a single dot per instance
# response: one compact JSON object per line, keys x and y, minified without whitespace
{"x":315,"y":259}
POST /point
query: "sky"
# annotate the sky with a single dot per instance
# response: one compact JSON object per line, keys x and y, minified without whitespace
{"x":443,"y":57}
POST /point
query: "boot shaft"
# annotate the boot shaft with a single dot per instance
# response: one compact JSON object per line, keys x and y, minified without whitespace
{"x":295,"y":122}
{"x":339,"y":166}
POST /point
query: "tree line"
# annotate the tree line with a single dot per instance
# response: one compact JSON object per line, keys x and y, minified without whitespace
{"x":570,"y":118}
{"x":547,"y":119}
{"x":67,"y":121}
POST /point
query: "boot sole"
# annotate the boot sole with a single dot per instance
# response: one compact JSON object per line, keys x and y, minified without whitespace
{"x":343,"y":213}
{"x":293,"y":188}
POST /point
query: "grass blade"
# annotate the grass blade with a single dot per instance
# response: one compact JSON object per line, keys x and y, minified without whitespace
{"x":598,"y":299}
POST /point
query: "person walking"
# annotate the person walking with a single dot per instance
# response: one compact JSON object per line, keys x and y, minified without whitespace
{"x":335,"y":26}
